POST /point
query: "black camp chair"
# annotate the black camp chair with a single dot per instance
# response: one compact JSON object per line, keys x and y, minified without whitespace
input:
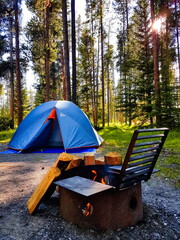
{"x":141,"y":156}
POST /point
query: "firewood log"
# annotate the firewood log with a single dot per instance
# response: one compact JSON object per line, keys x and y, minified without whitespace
{"x":99,"y":161}
{"x":67,"y":161}
{"x":113,"y":158}
{"x":89,"y":159}
{"x":74,"y":163}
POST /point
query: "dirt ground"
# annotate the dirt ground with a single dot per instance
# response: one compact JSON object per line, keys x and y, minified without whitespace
{"x":20,"y":174}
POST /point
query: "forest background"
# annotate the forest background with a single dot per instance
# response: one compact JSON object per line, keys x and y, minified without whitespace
{"x":119,"y":64}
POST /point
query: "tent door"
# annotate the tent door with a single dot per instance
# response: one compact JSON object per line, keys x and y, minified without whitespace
{"x":55,"y":139}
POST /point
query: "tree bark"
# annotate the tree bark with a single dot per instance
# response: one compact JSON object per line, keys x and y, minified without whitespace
{"x":53,"y":69}
{"x":73,"y":33}
{"x":102,"y":62}
{"x":108,"y":79}
{"x":93,"y":90}
{"x":156,"y":73}
{"x":66,"y":48}
{"x":47,"y":54}
{"x":63,"y":75}
{"x":18,"y":77}
{"x":11,"y":72}
{"x":177,"y":37}
{"x":97,"y":81}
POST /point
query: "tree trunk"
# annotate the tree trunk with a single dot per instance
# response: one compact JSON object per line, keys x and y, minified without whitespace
{"x":66,"y":48}
{"x":108,"y":80}
{"x":177,"y":37}
{"x":156,"y":74}
{"x":73,"y":33}
{"x":167,"y":69}
{"x":102,"y":62}
{"x":97,"y":81}
{"x":47,"y":55}
{"x":94,"y":89}
{"x":93,"y":72}
{"x":63,"y":75}
{"x":11,"y":73}
{"x":18,"y":77}
{"x":53,"y":69}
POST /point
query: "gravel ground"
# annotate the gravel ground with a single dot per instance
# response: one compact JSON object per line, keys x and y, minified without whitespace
{"x":21,"y":173}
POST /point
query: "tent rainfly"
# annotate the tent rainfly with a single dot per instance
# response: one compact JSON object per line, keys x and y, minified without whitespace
{"x":55,"y":124}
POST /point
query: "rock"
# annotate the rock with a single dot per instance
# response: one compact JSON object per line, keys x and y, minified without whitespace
{"x":157,"y":235}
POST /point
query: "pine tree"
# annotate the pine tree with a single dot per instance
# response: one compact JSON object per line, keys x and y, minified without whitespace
{"x":66,"y":48}
{"x":73,"y":33}
{"x":44,"y":32}
{"x":141,"y":39}
{"x":102,"y":61}
{"x":85,"y":77}
{"x":124,"y":96}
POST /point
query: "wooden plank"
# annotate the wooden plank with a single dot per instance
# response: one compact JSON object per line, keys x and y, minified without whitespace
{"x":137,"y":180}
{"x":42,"y":188}
{"x":141,"y":150}
{"x":150,"y":136}
{"x":137,"y":168}
{"x":136,"y":175}
{"x":140,"y":162}
{"x":152,"y":130}
{"x":142,"y":156}
{"x":147,"y":143}
{"x":126,"y":160}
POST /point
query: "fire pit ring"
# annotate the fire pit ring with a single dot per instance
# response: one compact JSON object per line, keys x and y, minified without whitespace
{"x":109,"y":209}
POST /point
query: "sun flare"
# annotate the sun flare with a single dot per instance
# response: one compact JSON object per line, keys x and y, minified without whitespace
{"x":158,"y":24}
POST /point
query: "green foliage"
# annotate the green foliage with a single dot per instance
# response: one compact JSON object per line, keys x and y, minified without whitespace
{"x":41,"y":46}
{"x":6,"y":135}
{"x":118,"y":136}
{"x":5,"y":119}
{"x":173,"y":141}
{"x":136,"y":90}
{"x":5,"y":122}
{"x":85,"y":76}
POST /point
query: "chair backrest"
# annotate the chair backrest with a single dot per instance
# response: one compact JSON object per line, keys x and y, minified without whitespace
{"x":141,"y":156}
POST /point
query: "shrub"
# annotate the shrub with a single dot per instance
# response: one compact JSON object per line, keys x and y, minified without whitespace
{"x":5,"y":122}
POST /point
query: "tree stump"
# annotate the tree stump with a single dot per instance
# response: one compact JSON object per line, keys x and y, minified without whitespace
{"x":113,"y":158}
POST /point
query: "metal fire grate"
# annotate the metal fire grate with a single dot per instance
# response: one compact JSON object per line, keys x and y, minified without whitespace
{"x":83,"y":186}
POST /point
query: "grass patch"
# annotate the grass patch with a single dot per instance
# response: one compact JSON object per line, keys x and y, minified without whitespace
{"x":117,"y":138}
{"x":5,"y":136}
{"x":173,"y":141}
{"x":170,"y":168}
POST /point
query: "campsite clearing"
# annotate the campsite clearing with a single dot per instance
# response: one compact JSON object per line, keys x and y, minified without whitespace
{"x":21,"y":173}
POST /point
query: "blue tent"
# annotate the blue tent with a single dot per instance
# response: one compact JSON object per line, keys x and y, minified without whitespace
{"x":55,"y":124}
